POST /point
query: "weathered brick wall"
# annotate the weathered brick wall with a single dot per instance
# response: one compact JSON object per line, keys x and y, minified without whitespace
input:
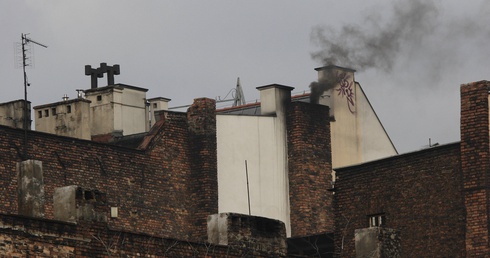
{"x":419,"y":194}
{"x":310,"y":168}
{"x":203,"y":187}
{"x":27,"y":237}
{"x":153,"y":188}
{"x":475,"y":165}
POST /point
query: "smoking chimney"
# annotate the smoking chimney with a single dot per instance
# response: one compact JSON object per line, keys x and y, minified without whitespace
{"x":333,"y":80}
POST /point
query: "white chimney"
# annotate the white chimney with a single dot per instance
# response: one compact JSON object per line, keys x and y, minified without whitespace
{"x":332,"y":73}
{"x":274,"y":99}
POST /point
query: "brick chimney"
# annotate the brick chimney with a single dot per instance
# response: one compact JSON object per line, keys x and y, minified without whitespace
{"x":309,"y":167}
{"x":475,"y":165}
{"x":201,"y":119}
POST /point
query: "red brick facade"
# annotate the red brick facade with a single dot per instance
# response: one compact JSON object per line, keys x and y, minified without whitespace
{"x":418,"y":194}
{"x":475,"y":164}
{"x":437,"y":198}
{"x":310,"y":169}
{"x":28,"y":237}
{"x":166,"y":189}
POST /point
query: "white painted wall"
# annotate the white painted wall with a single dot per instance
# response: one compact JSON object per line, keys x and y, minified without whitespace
{"x":134,"y":116}
{"x":156,"y":104}
{"x":375,"y":142}
{"x":259,"y":140}
{"x":121,"y":108}
{"x":357,"y":133}
{"x":75,"y":123}
{"x":101,"y":111}
{"x":12,"y":114}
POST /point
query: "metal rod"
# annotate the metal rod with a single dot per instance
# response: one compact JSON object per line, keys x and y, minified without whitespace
{"x":37,"y":43}
{"x":24,"y":41}
{"x":248,"y":189}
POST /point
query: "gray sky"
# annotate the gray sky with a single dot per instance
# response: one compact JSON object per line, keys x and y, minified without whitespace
{"x":188,"y":49}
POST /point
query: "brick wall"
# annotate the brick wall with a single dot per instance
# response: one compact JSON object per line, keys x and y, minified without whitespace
{"x":203,"y":187}
{"x":419,"y":195}
{"x":309,"y":157}
{"x":154,"y":188}
{"x":475,"y":165}
{"x":28,"y":237}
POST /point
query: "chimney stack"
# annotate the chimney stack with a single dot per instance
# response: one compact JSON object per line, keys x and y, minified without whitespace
{"x":274,"y":99}
{"x":333,"y":80}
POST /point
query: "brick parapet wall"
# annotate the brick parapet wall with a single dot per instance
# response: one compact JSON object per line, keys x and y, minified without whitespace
{"x":28,"y":237}
{"x":310,"y":168}
{"x":475,"y":163}
{"x":419,"y":194}
{"x":154,"y":188}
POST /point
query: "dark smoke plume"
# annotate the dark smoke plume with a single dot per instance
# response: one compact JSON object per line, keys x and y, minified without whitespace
{"x":376,"y":45}
{"x":328,"y":81}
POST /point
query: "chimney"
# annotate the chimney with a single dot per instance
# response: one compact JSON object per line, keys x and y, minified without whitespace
{"x":333,"y":80}
{"x":475,"y":165}
{"x":73,"y":203}
{"x":274,"y":99}
{"x":201,"y":122}
{"x":154,"y":105}
{"x":30,"y":188}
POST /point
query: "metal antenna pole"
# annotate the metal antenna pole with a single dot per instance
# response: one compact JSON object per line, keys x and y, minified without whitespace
{"x":26,"y":40}
{"x":248,"y":189}
{"x":25,"y":79}
{"x":239,"y":96}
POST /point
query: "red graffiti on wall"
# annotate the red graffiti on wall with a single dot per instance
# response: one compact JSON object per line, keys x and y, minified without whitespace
{"x":346,"y":90}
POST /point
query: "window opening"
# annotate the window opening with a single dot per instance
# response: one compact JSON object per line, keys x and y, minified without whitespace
{"x":377,"y":220}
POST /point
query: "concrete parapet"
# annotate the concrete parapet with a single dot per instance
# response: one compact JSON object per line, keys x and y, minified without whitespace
{"x":257,"y":233}
{"x":377,"y":242}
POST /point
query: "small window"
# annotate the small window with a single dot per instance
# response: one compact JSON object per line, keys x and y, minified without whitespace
{"x":39,"y":114}
{"x":53,"y":111}
{"x":89,"y":195}
{"x":68,"y":109}
{"x":99,"y":98}
{"x":377,"y":220}
{"x":154,"y":105}
{"x":46,"y":112}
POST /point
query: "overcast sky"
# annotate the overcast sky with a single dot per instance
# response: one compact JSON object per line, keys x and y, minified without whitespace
{"x":422,"y":51}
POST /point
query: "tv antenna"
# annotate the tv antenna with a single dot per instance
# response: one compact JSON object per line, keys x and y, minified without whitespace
{"x":237,"y":95}
{"x":25,"y":42}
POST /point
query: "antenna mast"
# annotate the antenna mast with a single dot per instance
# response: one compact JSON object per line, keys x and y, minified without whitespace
{"x":239,"y":97}
{"x":25,"y":41}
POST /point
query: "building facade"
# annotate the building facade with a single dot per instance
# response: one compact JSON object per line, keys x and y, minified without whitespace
{"x":435,"y":200}
{"x":300,"y":176}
